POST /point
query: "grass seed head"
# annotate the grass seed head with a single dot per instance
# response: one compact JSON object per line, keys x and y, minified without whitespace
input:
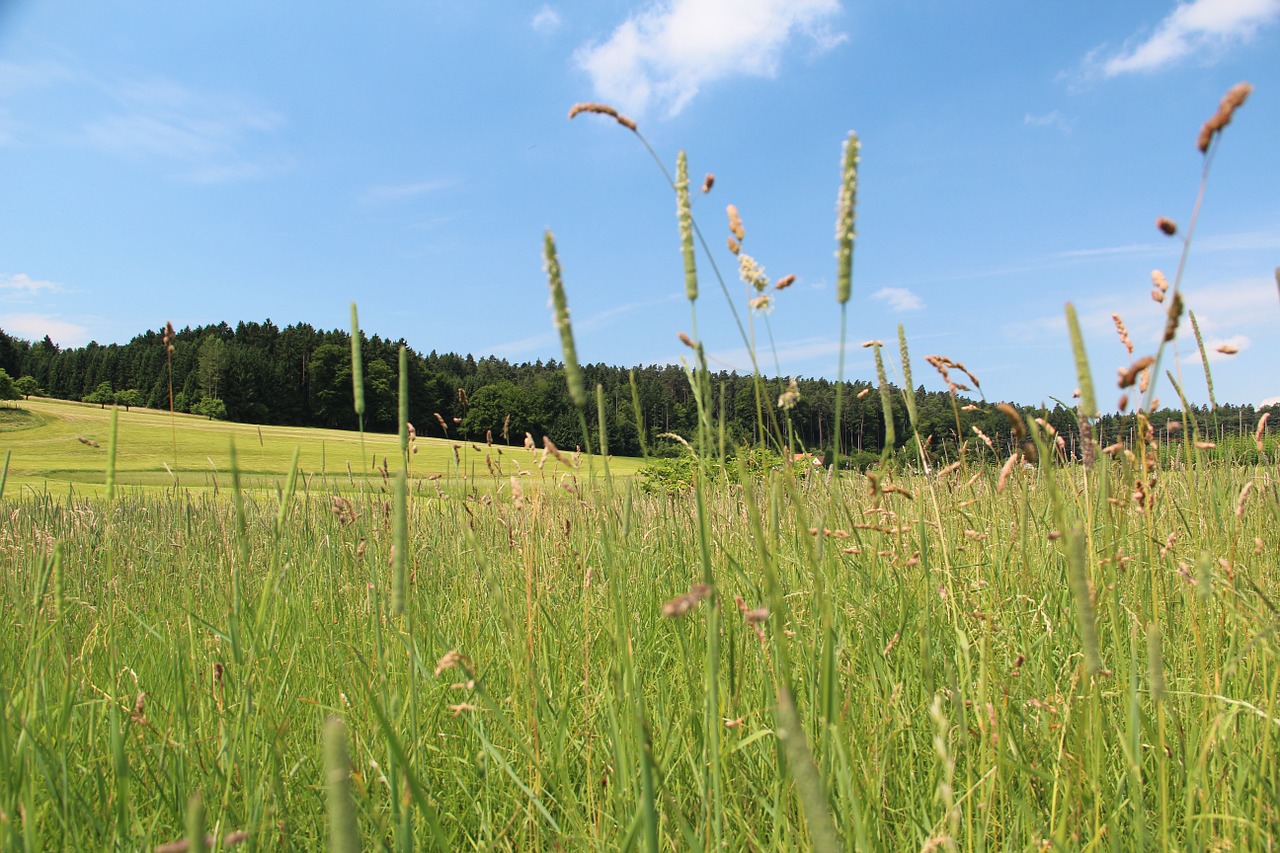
{"x":1175,"y":315}
{"x":1129,"y":375}
{"x":1015,"y":420}
{"x":1231,"y":102}
{"x":708,"y":182}
{"x":846,"y":221}
{"x":735,"y":222}
{"x":604,"y":110}
{"x":1167,"y":226}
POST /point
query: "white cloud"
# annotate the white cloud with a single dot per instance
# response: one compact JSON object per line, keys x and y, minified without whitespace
{"x":1053,"y":118}
{"x":899,"y":298}
{"x":1239,"y":343}
{"x":1197,"y":28}
{"x":34,"y":327}
{"x":24,"y":284}
{"x":545,"y":21}
{"x":660,"y":57}
{"x":1270,"y":401}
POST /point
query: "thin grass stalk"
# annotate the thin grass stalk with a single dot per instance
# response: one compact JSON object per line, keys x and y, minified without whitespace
{"x":403,"y":399}
{"x":111,"y":454}
{"x":635,"y":410}
{"x":196,"y":840}
{"x":603,"y":427}
{"x":357,"y":379}
{"x":4,"y":475}
{"x":1209,"y":151}
{"x":685,"y":215}
{"x":1078,"y":578}
{"x":846,"y":222}
{"x":400,"y":550}
{"x":1084,"y":376}
{"x":286,"y":497}
{"x":886,"y":408}
{"x":560,"y":317}
{"x":1208,"y":374}
{"x":344,"y":834}
{"x":810,"y":787}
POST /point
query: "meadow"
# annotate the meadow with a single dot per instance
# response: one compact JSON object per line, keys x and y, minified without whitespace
{"x":1007,"y":649}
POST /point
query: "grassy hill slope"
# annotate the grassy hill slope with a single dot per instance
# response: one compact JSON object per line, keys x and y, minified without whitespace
{"x":57,"y":443}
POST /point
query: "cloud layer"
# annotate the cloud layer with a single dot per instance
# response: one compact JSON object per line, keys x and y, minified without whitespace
{"x":659,"y":58}
{"x":1197,"y":28}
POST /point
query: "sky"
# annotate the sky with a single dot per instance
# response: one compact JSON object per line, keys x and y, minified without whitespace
{"x":201,"y":162}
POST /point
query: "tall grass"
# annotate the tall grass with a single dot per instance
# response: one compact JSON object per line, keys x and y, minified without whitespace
{"x":1044,"y":656}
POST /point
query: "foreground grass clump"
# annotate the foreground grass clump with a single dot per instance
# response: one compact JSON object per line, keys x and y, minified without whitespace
{"x":533,"y":695}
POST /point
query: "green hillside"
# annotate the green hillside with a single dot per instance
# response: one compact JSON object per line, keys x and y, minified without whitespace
{"x":56,"y":443}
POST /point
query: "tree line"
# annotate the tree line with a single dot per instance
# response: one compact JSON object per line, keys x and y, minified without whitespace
{"x":301,"y":376}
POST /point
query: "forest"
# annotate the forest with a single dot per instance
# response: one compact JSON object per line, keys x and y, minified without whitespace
{"x":301,"y":376}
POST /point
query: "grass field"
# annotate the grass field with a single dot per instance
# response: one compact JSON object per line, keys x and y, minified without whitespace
{"x":45,"y":439}
{"x":533,"y":695}
{"x":1007,"y":653}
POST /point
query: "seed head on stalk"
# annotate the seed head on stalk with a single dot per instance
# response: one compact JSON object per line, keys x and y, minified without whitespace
{"x":560,"y":316}
{"x":845,"y":219}
{"x":686,"y":226}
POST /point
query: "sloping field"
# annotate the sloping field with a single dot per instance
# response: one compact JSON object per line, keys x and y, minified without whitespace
{"x":55,"y":443}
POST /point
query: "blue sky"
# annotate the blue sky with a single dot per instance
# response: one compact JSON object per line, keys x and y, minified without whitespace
{"x":205,"y":161}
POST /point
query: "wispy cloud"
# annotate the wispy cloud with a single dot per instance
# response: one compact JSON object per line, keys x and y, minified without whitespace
{"x":398,"y":192}
{"x":660,"y":57}
{"x":899,"y":298}
{"x":545,"y":21}
{"x":1053,"y":119}
{"x":25,"y":285}
{"x":583,"y":326}
{"x":211,"y":138}
{"x":1223,"y":310}
{"x":1199,"y":29}
{"x":35,"y":326}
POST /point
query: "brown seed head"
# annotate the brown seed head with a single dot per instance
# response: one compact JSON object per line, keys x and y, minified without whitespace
{"x":1261,"y":430}
{"x":1175,"y":314}
{"x":1129,"y":375}
{"x":735,"y":223}
{"x":1167,"y":226}
{"x":592,"y":107}
{"x":1228,"y":349}
{"x":1231,"y":101}
{"x":786,"y":281}
{"x":604,"y":110}
{"x":733,"y":246}
{"x":1015,"y":420}
{"x":686,"y":340}
{"x":1123,"y":332}
{"x":708,"y":182}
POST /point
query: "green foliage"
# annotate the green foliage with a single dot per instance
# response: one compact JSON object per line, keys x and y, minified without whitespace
{"x":101,"y":395}
{"x":670,"y":476}
{"x":128,"y":398}
{"x":8,"y":388}
{"x":27,"y":386}
{"x":212,"y":408}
